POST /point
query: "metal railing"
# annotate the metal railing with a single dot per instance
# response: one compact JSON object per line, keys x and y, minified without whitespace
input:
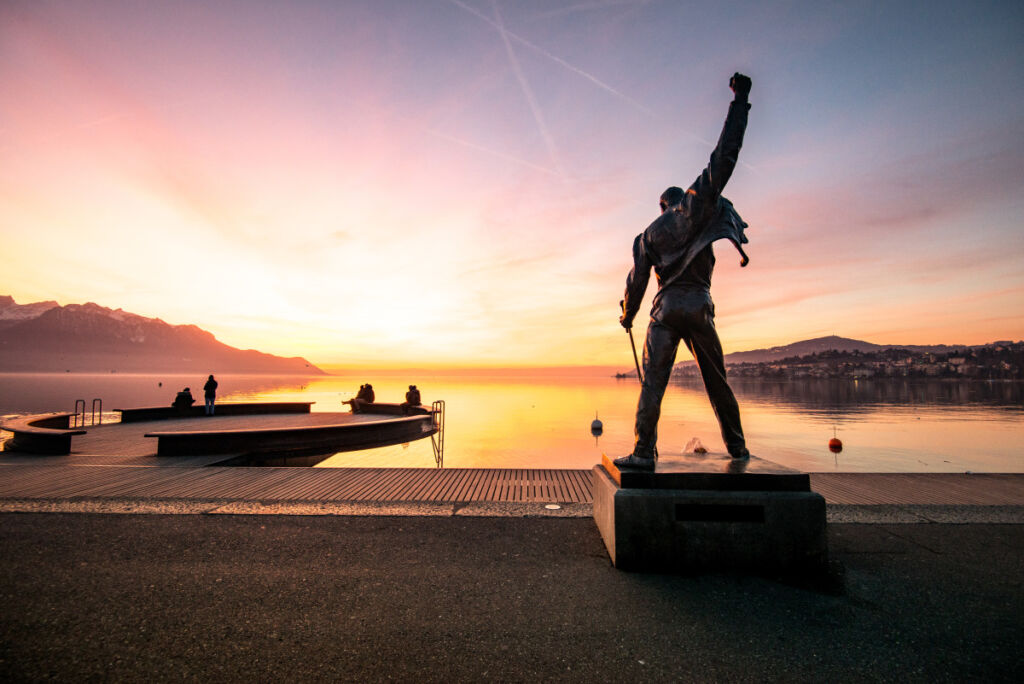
{"x":96,"y":417}
{"x":437,"y":439}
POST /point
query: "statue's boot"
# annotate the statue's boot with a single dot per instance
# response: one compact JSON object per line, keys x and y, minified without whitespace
{"x":634,"y":462}
{"x":739,"y":453}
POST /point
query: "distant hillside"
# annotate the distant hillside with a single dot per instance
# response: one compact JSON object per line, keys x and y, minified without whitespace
{"x":90,"y":338}
{"x":822,"y":344}
{"x":814,"y":346}
{"x":802,"y":348}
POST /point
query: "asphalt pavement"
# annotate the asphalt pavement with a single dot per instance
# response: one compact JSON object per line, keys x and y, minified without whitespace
{"x":214,"y":598}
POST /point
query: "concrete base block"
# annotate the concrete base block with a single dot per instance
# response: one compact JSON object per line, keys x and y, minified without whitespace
{"x":691,"y":530}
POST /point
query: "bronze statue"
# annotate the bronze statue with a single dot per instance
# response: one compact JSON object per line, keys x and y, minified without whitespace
{"x":678,"y":246}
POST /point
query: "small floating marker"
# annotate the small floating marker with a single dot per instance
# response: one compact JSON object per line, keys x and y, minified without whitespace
{"x":596,"y":427}
{"x":835,"y":445}
{"x":694,"y":446}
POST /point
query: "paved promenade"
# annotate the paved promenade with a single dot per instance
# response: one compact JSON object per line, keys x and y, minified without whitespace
{"x":223,"y":598}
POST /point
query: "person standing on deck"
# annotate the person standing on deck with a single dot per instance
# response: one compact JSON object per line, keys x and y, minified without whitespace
{"x":210,"y":394}
{"x":678,"y":246}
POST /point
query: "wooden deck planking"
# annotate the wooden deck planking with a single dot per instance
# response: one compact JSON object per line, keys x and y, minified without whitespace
{"x":47,"y":480}
{"x":380,"y":487}
{"x":305,"y":484}
{"x":38,"y":482}
{"x":408,"y":489}
{"x":476,"y":485}
{"x":585,"y":484}
{"x":135,"y":483}
{"x":467,"y":485}
{"x":950,"y":489}
{"x":294,"y":481}
{"x":354,"y":484}
{"x":434,"y":488}
{"x":486,"y":489}
{"x":351,"y":485}
{"x":181,"y":487}
{"x":253,"y":484}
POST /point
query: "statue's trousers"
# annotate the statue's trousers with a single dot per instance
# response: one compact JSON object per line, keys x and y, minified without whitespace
{"x":695,"y":326}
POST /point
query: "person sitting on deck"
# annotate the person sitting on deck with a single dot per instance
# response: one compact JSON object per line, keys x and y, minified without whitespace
{"x":364,"y":397}
{"x":412,"y":398}
{"x":183,"y":401}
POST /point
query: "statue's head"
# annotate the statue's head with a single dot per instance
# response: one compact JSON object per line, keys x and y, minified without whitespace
{"x":670,"y":198}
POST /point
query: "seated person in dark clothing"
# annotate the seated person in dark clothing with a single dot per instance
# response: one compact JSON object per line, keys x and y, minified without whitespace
{"x":365,"y":396}
{"x":183,"y":402}
{"x":412,"y":398}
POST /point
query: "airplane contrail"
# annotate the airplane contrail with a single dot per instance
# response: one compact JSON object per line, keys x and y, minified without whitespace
{"x":487,"y":150}
{"x":558,"y":60}
{"x":588,"y":6}
{"x":506,"y":35}
{"x":527,"y":91}
{"x":378,"y":111}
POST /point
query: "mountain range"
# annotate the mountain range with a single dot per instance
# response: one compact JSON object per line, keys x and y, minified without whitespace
{"x":47,"y":337}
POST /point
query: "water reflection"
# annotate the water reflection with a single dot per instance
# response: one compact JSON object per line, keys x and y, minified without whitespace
{"x":854,"y":396}
{"x":531,"y":422}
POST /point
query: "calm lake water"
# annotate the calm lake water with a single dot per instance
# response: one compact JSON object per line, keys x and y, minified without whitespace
{"x":544,"y":422}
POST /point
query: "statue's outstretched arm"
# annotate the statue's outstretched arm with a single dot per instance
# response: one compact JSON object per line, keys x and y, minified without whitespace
{"x":711,"y":182}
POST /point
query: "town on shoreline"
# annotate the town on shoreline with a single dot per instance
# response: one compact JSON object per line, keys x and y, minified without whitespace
{"x":997,"y":361}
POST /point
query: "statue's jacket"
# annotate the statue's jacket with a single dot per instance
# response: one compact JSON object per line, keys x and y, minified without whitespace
{"x":677,"y":244}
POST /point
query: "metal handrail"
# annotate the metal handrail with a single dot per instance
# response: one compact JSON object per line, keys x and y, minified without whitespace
{"x":96,"y":417}
{"x":437,"y":439}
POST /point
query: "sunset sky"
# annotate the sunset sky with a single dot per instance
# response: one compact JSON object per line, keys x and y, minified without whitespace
{"x":458,"y":182}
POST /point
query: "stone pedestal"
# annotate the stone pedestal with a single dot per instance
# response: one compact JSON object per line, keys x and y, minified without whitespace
{"x":709,"y":512}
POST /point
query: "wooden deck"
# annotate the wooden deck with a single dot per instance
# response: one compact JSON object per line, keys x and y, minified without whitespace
{"x":920,"y":489}
{"x":116,"y":462}
{"x":76,"y":480}
{"x":447,"y":485}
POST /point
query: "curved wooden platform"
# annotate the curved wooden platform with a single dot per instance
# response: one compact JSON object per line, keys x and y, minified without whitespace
{"x":147,"y":413}
{"x":236,"y":430}
{"x":344,"y":433}
{"x":41,"y":433}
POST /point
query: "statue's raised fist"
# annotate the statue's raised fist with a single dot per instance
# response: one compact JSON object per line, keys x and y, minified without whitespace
{"x":740,"y":84}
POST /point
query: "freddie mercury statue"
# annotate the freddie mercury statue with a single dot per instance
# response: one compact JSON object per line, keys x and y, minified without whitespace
{"x":678,"y":246}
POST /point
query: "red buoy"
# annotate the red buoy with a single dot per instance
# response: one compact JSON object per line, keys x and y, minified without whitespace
{"x":834,"y":444}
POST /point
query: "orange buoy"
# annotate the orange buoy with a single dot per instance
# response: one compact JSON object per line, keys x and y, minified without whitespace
{"x":834,"y":444}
